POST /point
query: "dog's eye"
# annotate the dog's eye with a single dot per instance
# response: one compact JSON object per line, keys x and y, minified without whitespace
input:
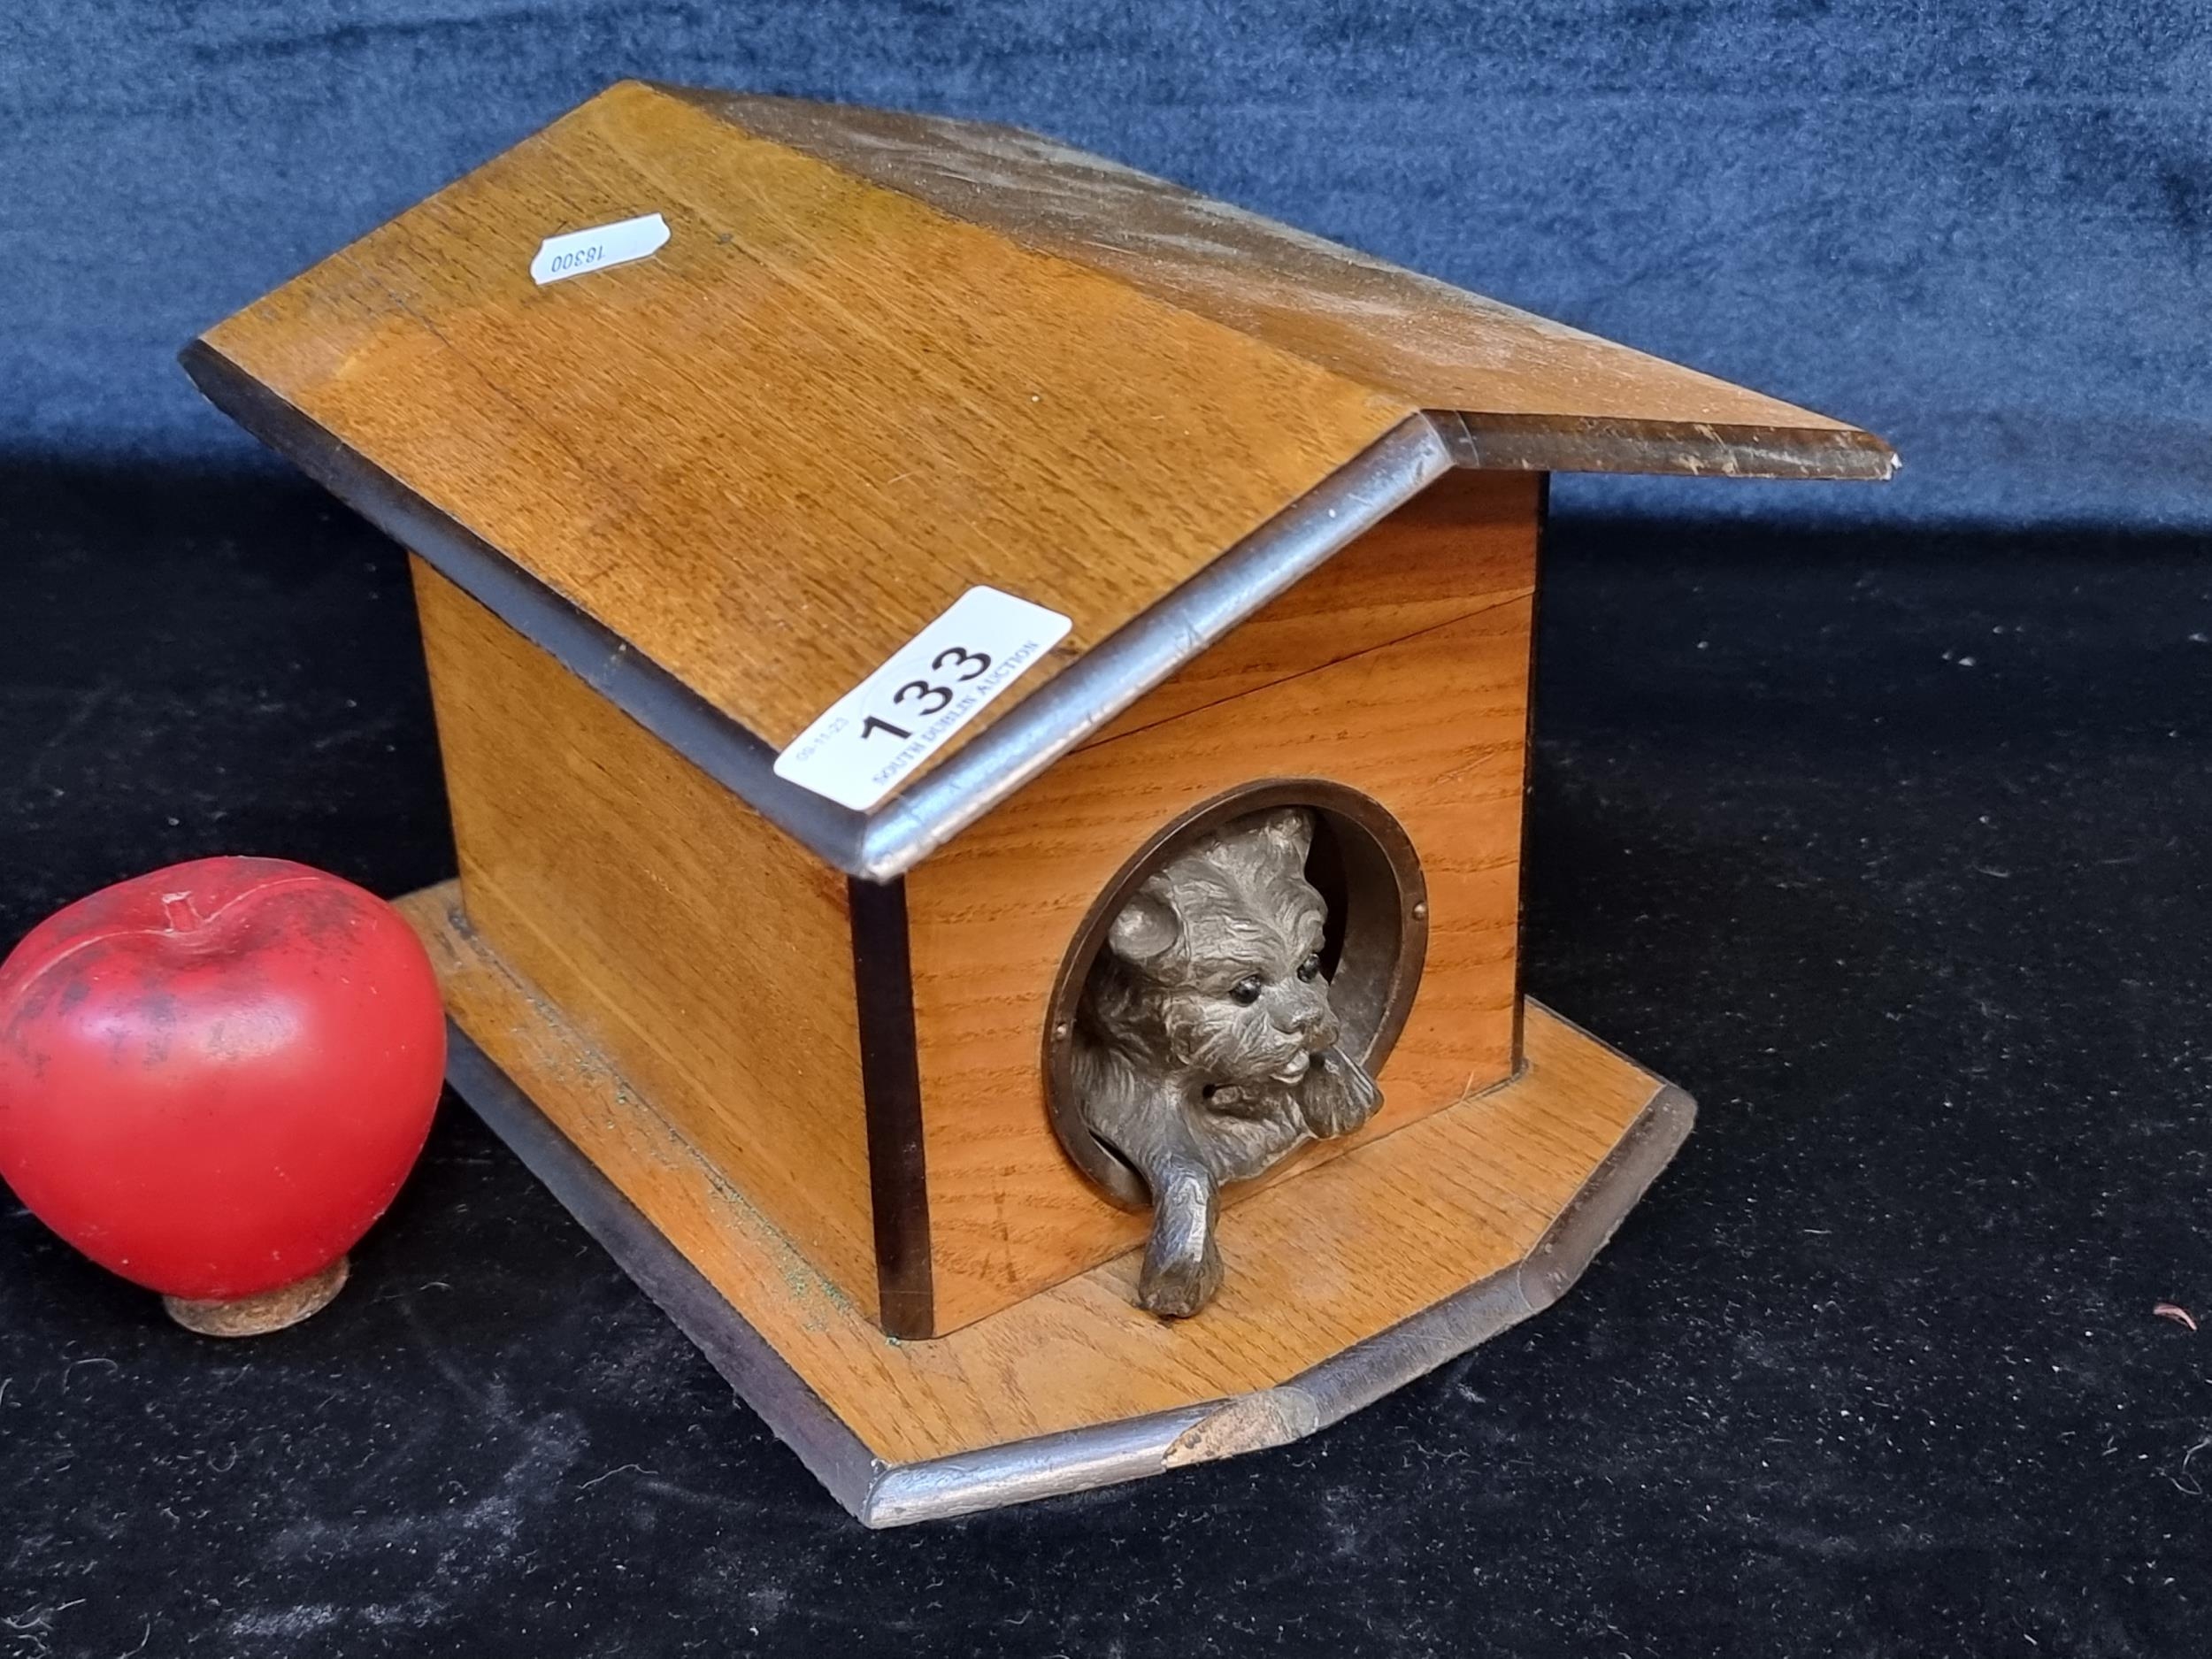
{"x":1247,"y":990}
{"x":1308,"y":968}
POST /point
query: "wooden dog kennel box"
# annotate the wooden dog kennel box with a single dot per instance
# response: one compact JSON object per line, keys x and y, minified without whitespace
{"x":786,"y":1042}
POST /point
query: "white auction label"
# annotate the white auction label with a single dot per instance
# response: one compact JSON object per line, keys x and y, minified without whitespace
{"x":934,"y":684}
{"x":578,"y":251}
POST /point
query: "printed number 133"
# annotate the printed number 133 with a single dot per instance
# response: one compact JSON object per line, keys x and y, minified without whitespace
{"x":931,"y":699}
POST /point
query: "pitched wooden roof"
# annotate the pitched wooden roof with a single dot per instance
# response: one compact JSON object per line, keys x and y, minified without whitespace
{"x":882,"y":360}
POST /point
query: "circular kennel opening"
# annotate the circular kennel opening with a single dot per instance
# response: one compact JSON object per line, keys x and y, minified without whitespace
{"x":1364,"y":865}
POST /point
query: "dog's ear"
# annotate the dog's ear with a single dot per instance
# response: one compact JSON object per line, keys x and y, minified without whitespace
{"x":1291,"y":828}
{"x":1146,"y":928}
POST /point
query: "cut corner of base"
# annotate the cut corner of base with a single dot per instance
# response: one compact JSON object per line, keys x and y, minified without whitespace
{"x":1615,"y":1187}
{"x":1252,"y":1423}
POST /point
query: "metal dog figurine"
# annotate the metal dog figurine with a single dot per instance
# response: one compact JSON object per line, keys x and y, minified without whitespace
{"x":1205,"y":1048}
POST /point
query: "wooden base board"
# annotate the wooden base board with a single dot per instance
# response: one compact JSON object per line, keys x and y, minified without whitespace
{"x":1346,"y":1281}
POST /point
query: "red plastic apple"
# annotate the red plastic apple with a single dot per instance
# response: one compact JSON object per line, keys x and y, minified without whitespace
{"x":214,"y":1076}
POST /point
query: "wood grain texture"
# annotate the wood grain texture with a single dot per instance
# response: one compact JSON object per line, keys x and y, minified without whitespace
{"x":1465,"y":541}
{"x":1399,"y":669}
{"x":1341,"y":1251}
{"x":706,"y":956}
{"x":768,"y":455}
{"x":1542,"y":394}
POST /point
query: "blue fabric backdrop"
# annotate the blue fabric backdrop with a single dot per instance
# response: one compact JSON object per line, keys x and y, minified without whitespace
{"x":1979,"y":230}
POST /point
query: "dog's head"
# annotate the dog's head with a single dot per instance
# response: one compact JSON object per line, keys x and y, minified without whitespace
{"x":1221,"y":947}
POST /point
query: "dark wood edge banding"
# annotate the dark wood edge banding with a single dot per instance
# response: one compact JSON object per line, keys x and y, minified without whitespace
{"x":891,"y":1081}
{"x":1528,"y":772}
{"x":1608,"y":443}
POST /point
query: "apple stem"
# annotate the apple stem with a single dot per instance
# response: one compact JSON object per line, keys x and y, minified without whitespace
{"x":178,"y":907}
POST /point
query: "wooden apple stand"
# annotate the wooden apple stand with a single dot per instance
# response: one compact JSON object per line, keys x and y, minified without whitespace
{"x":791,"y":1061}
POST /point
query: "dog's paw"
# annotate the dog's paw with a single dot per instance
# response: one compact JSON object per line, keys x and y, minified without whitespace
{"x":1337,"y":1096}
{"x":1178,"y":1285}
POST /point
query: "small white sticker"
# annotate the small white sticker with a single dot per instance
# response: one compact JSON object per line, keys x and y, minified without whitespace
{"x":934,"y":684}
{"x":581,"y":250}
